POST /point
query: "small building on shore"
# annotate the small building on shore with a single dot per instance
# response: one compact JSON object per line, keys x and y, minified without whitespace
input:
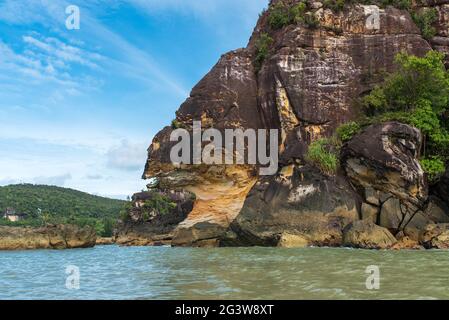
{"x":13,"y":216}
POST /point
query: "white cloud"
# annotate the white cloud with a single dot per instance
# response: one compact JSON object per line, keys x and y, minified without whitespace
{"x":59,"y":52}
{"x":127,"y":156}
{"x":132,"y":61}
{"x":59,"y":181}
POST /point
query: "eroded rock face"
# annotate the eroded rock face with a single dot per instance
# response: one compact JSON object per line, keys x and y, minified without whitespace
{"x":367,"y":235}
{"x":153,"y":217}
{"x":435,"y":236}
{"x":49,"y":237}
{"x":300,"y":201}
{"x":384,"y":157}
{"x":382,"y":163}
{"x":440,"y":41}
{"x":306,"y":87}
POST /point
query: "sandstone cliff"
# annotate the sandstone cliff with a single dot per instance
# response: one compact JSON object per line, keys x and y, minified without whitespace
{"x":307,"y":84}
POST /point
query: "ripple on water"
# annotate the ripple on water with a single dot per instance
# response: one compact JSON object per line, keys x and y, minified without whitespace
{"x":111,"y":272}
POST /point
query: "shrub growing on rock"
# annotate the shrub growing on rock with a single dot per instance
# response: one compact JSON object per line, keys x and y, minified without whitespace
{"x":424,"y":20}
{"x":321,"y":154}
{"x":346,"y":131}
{"x":262,"y":49}
{"x":279,"y":16}
{"x":159,"y":203}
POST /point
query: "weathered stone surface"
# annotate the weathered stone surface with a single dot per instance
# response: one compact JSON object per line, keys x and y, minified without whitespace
{"x":385,"y":157}
{"x":288,"y":240}
{"x":304,"y":202}
{"x":434,"y":213}
{"x":370,"y":212}
{"x":306,"y":87}
{"x":48,"y":237}
{"x":391,"y":215}
{"x":367,"y":235}
{"x":105,"y":241}
{"x":148,"y":226}
{"x":435,"y":236}
{"x":406,"y":243}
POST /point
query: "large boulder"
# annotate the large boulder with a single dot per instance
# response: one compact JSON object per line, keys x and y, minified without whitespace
{"x":301,"y":202}
{"x":48,"y":237}
{"x":384,"y":157}
{"x":367,"y":235}
{"x":382,"y":163}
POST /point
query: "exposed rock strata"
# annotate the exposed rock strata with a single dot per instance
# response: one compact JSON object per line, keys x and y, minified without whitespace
{"x":49,"y":237}
{"x":299,"y":201}
{"x":306,"y":87}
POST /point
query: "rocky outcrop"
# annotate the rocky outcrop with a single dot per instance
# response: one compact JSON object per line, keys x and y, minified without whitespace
{"x":153,"y":217}
{"x":367,"y":235}
{"x":384,"y":158}
{"x":105,"y":241}
{"x":435,"y":236}
{"x":382,"y":163}
{"x":406,"y":243}
{"x":299,"y":201}
{"x":48,"y":237}
{"x":306,"y":86}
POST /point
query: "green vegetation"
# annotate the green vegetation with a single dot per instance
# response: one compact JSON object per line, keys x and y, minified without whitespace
{"x":175,"y":124}
{"x":334,"y":5}
{"x":160,"y":204}
{"x":434,"y":167}
{"x":424,"y":20}
{"x":418,"y":95}
{"x":346,"y":131}
{"x":262,"y":49}
{"x":323,"y":154}
{"x":49,"y":204}
{"x":281,"y":15}
{"x":338,"y":5}
{"x":124,"y":211}
{"x":311,"y":21}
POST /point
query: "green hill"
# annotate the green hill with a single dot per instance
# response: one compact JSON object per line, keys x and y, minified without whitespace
{"x":50,"y":204}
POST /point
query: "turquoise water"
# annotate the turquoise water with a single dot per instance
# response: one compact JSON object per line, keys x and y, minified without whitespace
{"x":112,"y":272}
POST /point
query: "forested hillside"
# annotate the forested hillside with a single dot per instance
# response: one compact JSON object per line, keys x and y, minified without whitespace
{"x":60,"y":205}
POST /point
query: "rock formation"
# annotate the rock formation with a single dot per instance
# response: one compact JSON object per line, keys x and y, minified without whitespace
{"x":48,"y":237}
{"x":153,"y":217}
{"x":306,"y":86}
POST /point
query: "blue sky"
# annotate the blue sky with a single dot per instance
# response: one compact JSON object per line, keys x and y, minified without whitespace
{"x":78,"y":108}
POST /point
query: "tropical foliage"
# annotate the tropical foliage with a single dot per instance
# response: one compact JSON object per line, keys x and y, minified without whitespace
{"x":50,"y":204}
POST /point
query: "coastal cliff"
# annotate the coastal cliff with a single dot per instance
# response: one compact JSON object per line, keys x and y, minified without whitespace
{"x":303,"y":76}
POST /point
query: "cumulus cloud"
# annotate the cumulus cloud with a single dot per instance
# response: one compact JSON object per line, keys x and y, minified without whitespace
{"x":127,"y":156}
